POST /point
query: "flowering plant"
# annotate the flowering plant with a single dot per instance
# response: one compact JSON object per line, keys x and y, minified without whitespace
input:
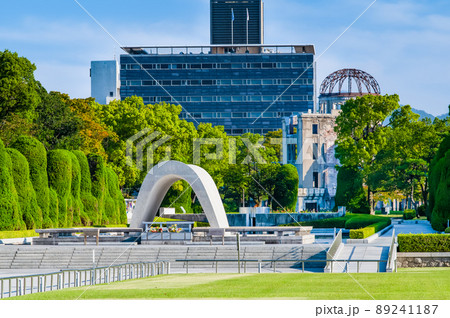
{"x":174,"y":229}
{"x":155,"y":229}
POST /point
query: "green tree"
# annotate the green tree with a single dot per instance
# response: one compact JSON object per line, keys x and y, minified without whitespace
{"x":361,"y":134}
{"x":285,"y":192}
{"x":412,"y":145}
{"x":13,"y":126}
{"x":273,"y":139}
{"x":131,"y":116}
{"x":92,"y":131}
{"x":350,"y":191}
{"x":57,"y":126}
{"x":440,"y":187}
{"x":19,"y":91}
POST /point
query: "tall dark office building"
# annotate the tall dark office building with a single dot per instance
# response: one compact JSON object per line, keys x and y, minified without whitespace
{"x":237,"y":22}
{"x":243,"y":87}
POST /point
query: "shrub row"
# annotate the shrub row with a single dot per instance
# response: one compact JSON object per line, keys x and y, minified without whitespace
{"x":362,"y":221}
{"x":325,"y":223}
{"x":10,"y":213}
{"x":349,"y":221}
{"x":369,"y":230}
{"x":409,"y":214}
{"x":55,"y":189}
{"x":423,"y":243}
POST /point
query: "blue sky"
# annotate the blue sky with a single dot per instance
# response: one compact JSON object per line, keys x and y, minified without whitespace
{"x":404,"y":44}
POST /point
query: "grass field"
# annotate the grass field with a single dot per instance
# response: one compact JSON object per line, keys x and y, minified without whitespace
{"x":17,"y":234}
{"x":32,"y":233}
{"x":407,"y":284}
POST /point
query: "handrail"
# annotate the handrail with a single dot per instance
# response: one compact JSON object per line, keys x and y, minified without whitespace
{"x":68,"y":278}
{"x":333,"y":250}
{"x":275,"y":261}
{"x":392,"y":259}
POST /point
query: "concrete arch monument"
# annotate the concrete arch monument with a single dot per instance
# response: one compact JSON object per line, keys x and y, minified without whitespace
{"x":159,"y":180}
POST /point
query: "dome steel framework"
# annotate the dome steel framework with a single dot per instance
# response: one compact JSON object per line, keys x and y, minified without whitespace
{"x":361,"y":79}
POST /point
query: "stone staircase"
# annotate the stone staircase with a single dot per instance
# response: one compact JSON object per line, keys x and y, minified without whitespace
{"x":79,"y":257}
{"x":361,"y":252}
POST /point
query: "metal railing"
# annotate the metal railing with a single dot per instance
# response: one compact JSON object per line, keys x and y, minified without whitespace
{"x":333,"y":250}
{"x":215,"y":263}
{"x":243,"y":262}
{"x":358,"y":263}
{"x":392,"y":259}
{"x":30,"y":284}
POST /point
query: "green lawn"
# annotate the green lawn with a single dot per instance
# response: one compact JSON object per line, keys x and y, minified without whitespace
{"x":32,"y":233}
{"x":17,"y":234}
{"x":407,"y":284}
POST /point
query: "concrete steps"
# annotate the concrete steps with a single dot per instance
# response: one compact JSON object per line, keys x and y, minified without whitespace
{"x":361,"y":252}
{"x":53,"y":257}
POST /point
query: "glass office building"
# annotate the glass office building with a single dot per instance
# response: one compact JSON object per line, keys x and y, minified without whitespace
{"x":237,"y":22}
{"x":247,"y":90}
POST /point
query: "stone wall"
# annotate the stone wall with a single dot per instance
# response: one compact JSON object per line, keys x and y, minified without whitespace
{"x":408,"y":260}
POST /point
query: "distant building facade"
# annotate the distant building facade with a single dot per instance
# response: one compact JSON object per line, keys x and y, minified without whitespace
{"x":240,"y":91}
{"x":105,"y":81}
{"x":237,"y":22}
{"x":309,"y":138}
{"x":308,"y":144}
{"x":236,"y":82}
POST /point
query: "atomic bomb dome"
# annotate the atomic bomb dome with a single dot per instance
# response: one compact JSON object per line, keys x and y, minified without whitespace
{"x":343,"y":85}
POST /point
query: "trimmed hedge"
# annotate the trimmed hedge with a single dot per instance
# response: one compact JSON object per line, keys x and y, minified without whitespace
{"x":325,"y":223}
{"x":362,"y":233}
{"x":90,"y":203}
{"x":447,"y":230}
{"x":120,"y":209}
{"x":362,"y":221}
{"x":60,"y":179}
{"x":53,"y":207}
{"x":36,"y":155}
{"x":422,"y":243}
{"x":31,"y":213}
{"x":79,"y":217}
{"x":10,"y":213}
{"x":349,"y":221}
{"x":98,"y":178}
{"x":42,"y":190}
{"x":409,"y":214}
{"x":369,"y":230}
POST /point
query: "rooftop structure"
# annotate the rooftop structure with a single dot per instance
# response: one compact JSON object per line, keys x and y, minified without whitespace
{"x":237,"y":22}
{"x":333,"y":93}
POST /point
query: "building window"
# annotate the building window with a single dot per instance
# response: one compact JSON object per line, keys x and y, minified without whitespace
{"x":315,"y":129}
{"x":315,"y":151}
{"x":111,"y":94}
{"x":315,"y":179}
